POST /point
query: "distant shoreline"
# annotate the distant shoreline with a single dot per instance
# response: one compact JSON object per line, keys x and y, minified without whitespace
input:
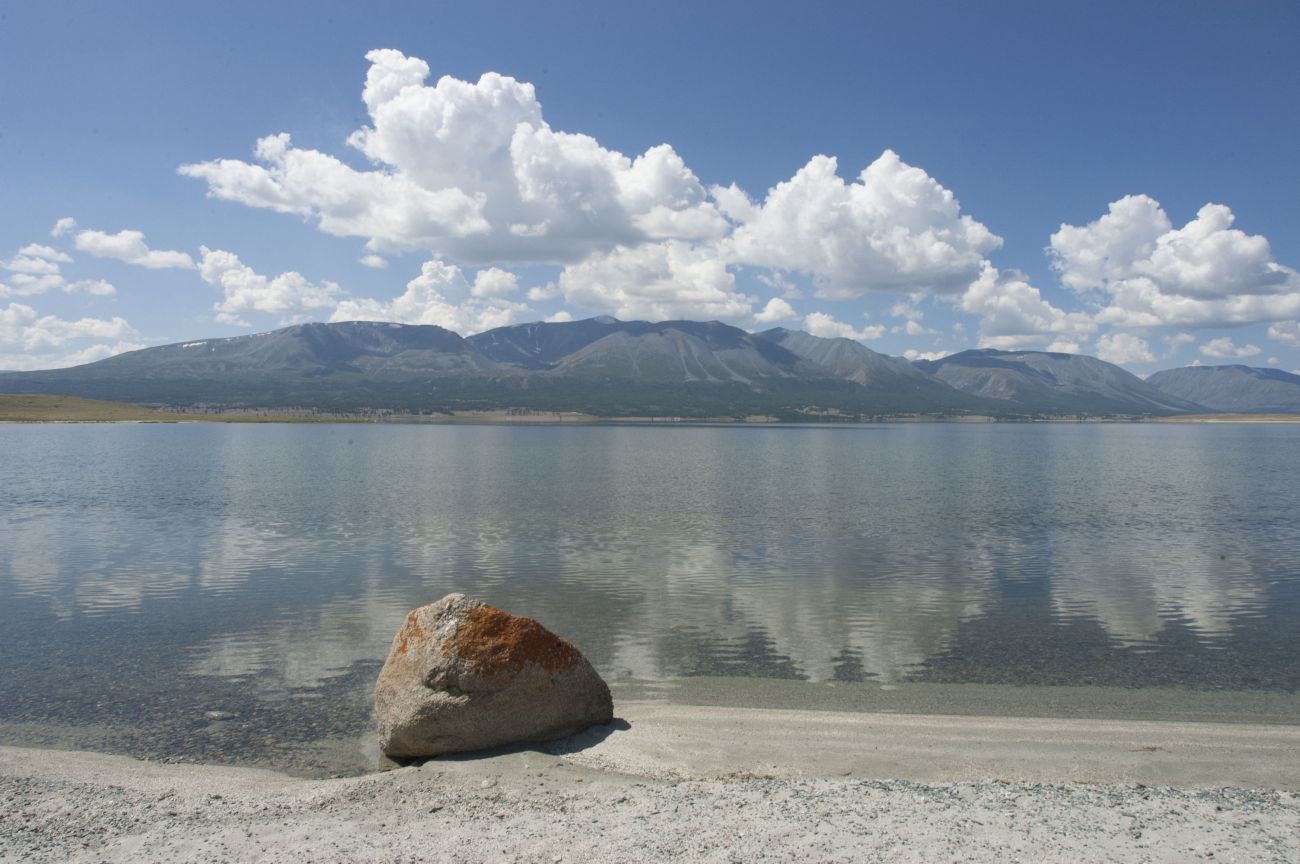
{"x":1231,"y":418}
{"x":23,"y":408}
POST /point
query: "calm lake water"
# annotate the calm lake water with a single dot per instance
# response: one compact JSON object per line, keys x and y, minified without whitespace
{"x":150,"y":575}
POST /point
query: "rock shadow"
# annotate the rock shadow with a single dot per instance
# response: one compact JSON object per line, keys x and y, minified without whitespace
{"x":589,"y":737}
{"x":576,"y":743}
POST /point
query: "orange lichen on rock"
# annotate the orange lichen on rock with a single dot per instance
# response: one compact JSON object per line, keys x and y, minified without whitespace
{"x":411,"y":630}
{"x":495,"y":642}
{"x":462,"y":676}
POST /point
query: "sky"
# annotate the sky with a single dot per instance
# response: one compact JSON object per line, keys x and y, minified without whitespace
{"x":1113,"y":179}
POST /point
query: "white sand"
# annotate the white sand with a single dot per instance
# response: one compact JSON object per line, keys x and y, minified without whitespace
{"x":703,"y":784}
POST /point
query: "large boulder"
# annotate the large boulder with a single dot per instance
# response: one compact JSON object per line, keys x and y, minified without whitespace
{"x":463,"y":675}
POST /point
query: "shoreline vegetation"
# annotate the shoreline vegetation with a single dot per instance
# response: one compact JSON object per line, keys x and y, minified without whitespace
{"x":23,"y":408}
{"x":26,"y":408}
{"x":668,"y":782}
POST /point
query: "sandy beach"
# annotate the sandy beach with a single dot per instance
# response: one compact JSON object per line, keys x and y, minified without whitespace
{"x":687,"y":783}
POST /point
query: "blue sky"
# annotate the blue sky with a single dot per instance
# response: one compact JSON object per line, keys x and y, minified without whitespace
{"x":1039,"y":175}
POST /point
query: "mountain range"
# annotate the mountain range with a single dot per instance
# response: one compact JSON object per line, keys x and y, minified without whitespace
{"x":1042,"y":382}
{"x":608,"y":367}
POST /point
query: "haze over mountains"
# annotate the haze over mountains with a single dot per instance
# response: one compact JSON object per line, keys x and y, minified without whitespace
{"x":608,"y":367}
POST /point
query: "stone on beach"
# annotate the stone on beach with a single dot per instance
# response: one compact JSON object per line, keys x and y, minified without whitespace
{"x":463,"y":675}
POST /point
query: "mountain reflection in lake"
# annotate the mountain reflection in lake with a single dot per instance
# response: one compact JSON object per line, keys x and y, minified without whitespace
{"x":150,"y":574}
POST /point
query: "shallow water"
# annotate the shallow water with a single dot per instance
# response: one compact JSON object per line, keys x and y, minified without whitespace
{"x":152,"y":574}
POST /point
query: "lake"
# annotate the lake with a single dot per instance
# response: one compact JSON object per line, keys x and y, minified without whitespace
{"x":228,"y":592}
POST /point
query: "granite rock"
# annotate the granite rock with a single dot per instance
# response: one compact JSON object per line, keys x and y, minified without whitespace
{"x":462,"y":675}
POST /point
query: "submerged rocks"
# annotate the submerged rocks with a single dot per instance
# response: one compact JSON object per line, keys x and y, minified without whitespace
{"x":463,"y":675}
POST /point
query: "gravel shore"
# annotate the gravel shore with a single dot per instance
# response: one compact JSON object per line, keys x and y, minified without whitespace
{"x":608,"y":796}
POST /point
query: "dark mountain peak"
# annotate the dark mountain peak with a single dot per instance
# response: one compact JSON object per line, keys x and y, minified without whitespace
{"x":356,"y":338}
{"x":683,"y":352}
{"x":543,"y":345}
{"x":846,"y":358}
{"x":889,"y":380}
{"x":782,"y":335}
{"x":715,"y":333}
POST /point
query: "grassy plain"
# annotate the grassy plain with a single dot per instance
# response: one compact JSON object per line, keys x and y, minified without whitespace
{"x":25,"y":408}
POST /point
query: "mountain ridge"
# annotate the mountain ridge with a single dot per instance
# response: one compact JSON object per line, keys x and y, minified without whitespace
{"x":1045,"y":380}
{"x":602,"y":366}
{"x":1233,"y":387}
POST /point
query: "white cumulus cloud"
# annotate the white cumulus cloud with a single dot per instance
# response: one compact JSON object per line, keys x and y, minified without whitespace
{"x":1286,"y":332}
{"x":29,"y":340}
{"x":777,"y":309}
{"x":440,"y":295}
{"x":1014,"y":315}
{"x":1119,"y":347}
{"x":98,"y":351}
{"x":549,"y":291}
{"x":36,"y":270}
{"x":825,"y":326}
{"x":1224,"y":348}
{"x":657,"y":282}
{"x":40,"y":252}
{"x":129,"y":246}
{"x":97,"y":287}
{"x":1092,"y":256}
{"x":289,"y":295}
{"x":914,"y":354}
{"x":1176,"y":341}
{"x":894,"y":228}
{"x":912,"y":316}
{"x":1149,"y":273}
{"x":777,"y":281}
{"x":471,"y":170}
{"x":27,"y":284}
{"x":389,"y":209}
{"x":494,"y":282}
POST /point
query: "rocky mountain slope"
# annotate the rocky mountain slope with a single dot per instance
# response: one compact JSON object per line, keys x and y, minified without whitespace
{"x":1041,"y":382}
{"x":1246,"y":389}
